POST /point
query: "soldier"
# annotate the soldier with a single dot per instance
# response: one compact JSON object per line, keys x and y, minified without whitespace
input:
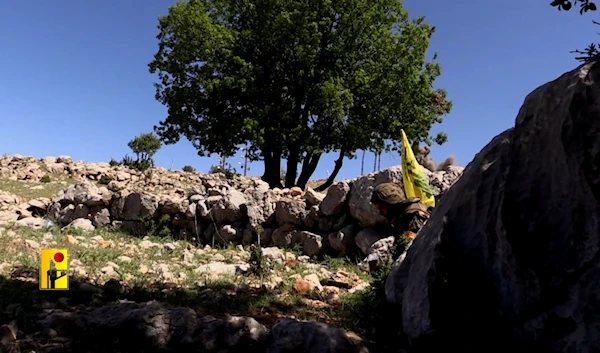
{"x":406,"y":216}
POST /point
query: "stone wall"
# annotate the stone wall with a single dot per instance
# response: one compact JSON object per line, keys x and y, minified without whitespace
{"x":210,"y":208}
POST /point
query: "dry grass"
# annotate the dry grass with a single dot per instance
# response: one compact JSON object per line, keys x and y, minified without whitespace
{"x":32,"y":190}
{"x":146,"y":266}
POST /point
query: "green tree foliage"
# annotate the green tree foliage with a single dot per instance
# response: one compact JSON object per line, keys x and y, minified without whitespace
{"x":295,"y":79}
{"x":188,"y":168}
{"x":591,"y":53}
{"x":145,"y":146}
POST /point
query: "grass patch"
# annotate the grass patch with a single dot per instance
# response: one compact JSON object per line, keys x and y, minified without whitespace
{"x":32,"y":190}
{"x":166,"y":270}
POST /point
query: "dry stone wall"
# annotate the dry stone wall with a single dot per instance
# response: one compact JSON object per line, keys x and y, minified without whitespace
{"x":209,"y":207}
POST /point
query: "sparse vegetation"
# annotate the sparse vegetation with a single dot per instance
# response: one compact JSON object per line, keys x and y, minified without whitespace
{"x":31,"y":190}
{"x":156,"y":227}
{"x":109,"y":253}
{"x":144,"y":147}
{"x":227,"y":170}
{"x":45,"y":179}
{"x":188,"y":169}
{"x":104,"y":180}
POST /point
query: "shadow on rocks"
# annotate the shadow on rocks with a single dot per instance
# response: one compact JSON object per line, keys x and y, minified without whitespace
{"x":116,"y":319}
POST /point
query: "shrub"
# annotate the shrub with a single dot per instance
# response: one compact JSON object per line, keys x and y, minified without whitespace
{"x":228,"y":171}
{"x":188,"y":169}
{"x":45,"y":179}
{"x":259,"y":264}
{"x":105,"y":180}
{"x":137,"y":164}
{"x":157,"y":226}
{"x":114,"y":163}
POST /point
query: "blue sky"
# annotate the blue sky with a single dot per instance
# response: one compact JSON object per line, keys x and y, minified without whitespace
{"x":74,"y":76}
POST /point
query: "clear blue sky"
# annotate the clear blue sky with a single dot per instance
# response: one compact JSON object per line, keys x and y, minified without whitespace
{"x":74,"y":76}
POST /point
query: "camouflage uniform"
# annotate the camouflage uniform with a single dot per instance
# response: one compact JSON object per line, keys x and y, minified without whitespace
{"x":406,"y":216}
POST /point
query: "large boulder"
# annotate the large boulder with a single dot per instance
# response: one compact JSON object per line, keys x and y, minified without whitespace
{"x":360,"y":205}
{"x":511,"y":255}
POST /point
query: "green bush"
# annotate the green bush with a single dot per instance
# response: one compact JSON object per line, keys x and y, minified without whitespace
{"x":188,"y":169}
{"x":45,"y":179}
{"x":113,"y":162}
{"x":259,"y":265}
{"x":137,"y":164}
{"x":104,"y":180}
{"x":157,"y":227}
{"x":228,"y":171}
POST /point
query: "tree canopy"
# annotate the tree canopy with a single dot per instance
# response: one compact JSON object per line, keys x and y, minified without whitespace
{"x":295,"y":79}
{"x":145,"y":146}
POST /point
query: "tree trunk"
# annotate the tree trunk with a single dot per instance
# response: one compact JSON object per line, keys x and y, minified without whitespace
{"x":338,"y":166}
{"x":246,"y":159}
{"x":379,"y":161}
{"x":374,"y":162}
{"x":292,"y":167}
{"x":272,"y":173}
{"x":362,"y":163}
{"x":308,"y":168}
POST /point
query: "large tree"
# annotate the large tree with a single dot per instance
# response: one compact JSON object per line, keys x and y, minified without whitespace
{"x":295,"y":79}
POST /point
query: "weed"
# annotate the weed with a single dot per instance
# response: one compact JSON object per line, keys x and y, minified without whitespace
{"x":259,"y":265}
{"x":227,"y":170}
{"x":157,"y":227}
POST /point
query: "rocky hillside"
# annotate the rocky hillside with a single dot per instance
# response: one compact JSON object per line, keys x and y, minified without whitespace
{"x":206,"y":208}
{"x":172,"y":248}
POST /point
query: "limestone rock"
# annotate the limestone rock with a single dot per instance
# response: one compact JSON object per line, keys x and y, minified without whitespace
{"x":510,"y":255}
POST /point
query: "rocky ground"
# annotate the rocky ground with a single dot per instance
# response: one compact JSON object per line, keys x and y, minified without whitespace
{"x":108,"y":266}
{"x":238,"y":295}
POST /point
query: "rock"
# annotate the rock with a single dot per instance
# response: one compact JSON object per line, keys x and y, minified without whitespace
{"x":313,"y":197}
{"x":295,"y":191}
{"x":290,"y":211}
{"x":228,"y":233}
{"x":304,"y":286}
{"x":102,"y":218}
{"x":282,"y":236}
{"x":365,"y":238}
{"x":378,"y":251}
{"x":31,"y":222}
{"x":83,"y":193}
{"x":312,"y":244}
{"x":274,"y":254}
{"x":170,"y":328}
{"x":344,"y":240}
{"x":221,"y":268}
{"x":511,"y":253}
{"x":229,"y":208}
{"x":360,"y":195}
{"x":306,"y":336}
{"x":133,"y":206}
{"x":336,"y":200}
{"x":81,"y":224}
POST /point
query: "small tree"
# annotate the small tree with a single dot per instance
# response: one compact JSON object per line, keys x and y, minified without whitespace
{"x":145,"y":146}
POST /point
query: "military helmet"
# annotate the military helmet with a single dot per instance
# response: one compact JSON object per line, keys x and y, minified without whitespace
{"x":388,"y":193}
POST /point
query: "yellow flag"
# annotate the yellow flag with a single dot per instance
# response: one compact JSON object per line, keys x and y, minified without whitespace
{"x":415,"y":181}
